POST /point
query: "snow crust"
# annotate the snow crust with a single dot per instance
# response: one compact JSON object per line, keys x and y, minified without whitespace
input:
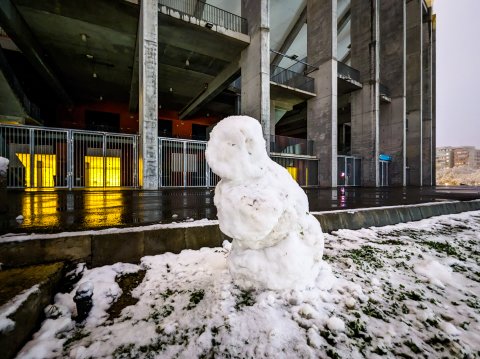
{"x":189,"y":307}
{"x":277,"y":243}
{"x":3,"y":165}
{"x":7,"y":309}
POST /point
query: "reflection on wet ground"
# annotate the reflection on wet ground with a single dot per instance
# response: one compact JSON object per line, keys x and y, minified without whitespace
{"x":63,"y":210}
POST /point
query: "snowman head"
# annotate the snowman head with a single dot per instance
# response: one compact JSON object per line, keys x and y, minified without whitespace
{"x":236,"y":149}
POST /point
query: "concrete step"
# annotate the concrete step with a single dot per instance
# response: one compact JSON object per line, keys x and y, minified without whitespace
{"x":24,"y":293}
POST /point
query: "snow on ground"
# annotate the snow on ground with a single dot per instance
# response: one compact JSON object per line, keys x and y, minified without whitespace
{"x":408,"y":290}
{"x":3,"y":165}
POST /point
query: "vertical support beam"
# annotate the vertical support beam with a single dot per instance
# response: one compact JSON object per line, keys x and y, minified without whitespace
{"x":148,"y":94}
{"x":393,"y":75}
{"x":365,"y":57}
{"x":255,"y":65}
{"x":434,"y":103}
{"x":427,"y":130}
{"x":414,"y":92}
{"x":322,"y":109}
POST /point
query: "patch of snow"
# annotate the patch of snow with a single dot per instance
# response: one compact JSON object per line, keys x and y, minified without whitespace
{"x":189,"y":306}
{"x":435,"y":272}
{"x":3,"y":165}
{"x":7,"y":309}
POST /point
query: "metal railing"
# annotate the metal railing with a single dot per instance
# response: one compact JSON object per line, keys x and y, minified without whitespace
{"x":385,"y":91}
{"x":291,"y":145}
{"x":61,"y":158}
{"x":347,"y":72}
{"x":290,"y":78}
{"x":208,"y":13}
{"x":182,"y":163}
{"x":304,"y":171}
{"x":31,"y":109}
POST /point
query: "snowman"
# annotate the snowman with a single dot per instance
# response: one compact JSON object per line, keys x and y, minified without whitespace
{"x":276,"y":243}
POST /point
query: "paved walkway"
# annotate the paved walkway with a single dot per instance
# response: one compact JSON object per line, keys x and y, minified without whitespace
{"x":62,"y":210}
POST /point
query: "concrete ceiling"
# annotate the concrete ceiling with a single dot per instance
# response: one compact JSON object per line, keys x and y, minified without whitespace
{"x":108,"y":50}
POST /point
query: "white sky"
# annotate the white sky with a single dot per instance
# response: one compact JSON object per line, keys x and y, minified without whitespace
{"x":458,"y":70}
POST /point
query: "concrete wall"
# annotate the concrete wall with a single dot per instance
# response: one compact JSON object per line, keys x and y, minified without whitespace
{"x":414,"y":92}
{"x":102,"y":248}
{"x":322,"y":109}
{"x":365,"y":34}
{"x":392,"y":75}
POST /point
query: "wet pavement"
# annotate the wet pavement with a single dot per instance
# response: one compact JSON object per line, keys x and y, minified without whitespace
{"x":63,"y":210}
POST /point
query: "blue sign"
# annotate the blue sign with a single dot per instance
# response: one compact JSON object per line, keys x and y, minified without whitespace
{"x":383,"y":157}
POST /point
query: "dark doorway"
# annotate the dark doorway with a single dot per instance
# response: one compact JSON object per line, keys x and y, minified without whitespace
{"x":164,"y":128}
{"x":102,"y":121}
{"x":199,"y":132}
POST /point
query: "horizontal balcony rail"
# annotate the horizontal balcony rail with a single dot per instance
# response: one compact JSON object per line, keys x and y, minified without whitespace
{"x":385,"y":91}
{"x":291,"y":145}
{"x":290,"y":78}
{"x":208,"y":13}
{"x":347,"y":72}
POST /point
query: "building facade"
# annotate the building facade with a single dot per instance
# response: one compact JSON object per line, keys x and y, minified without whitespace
{"x":344,"y":89}
{"x":466,"y":156}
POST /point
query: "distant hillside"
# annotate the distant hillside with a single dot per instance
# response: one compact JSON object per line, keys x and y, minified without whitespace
{"x":458,"y":175}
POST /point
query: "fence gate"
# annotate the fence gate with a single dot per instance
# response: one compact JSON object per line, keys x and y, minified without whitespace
{"x":104,"y":159}
{"x":38,"y":157}
{"x":182,"y":163}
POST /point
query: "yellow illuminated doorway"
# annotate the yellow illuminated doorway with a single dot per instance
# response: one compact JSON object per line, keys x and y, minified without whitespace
{"x":44,"y":169}
{"x":95,"y":174}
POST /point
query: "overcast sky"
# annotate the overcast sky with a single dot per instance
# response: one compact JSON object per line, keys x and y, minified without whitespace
{"x":458,"y":71}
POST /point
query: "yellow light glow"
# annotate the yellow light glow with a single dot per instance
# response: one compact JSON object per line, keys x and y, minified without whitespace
{"x":111,"y":201}
{"x":44,"y":169}
{"x":40,"y":210}
{"x":293,"y":172}
{"x":94,"y":171}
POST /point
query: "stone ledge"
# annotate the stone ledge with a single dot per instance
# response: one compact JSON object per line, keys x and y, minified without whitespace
{"x":98,"y":248}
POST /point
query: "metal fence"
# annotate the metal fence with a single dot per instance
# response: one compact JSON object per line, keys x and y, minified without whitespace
{"x":209,"y":13}
{"x":291,"y":145}
{"x":60,"y":158}
{"x":303,"y":170}
{"x":290,"y":78}
{"x":182,"y":163}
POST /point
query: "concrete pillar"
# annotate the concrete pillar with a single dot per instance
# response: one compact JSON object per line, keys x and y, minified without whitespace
{"x":148,"y":94}
{"x":392,"y":75}
{"x":428,"y":166}
{"x":414,"y":92}
{"x":365,"y":102}
{"x":434,"y":105}
{"x":255,"y":65}
{"x":322,"y":109}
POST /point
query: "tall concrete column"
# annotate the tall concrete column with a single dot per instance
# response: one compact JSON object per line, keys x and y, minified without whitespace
{"x":365,"y":57}
{"x":255,"y":65}
{"x":148,"y":94}
{"x":393,"y":75}
{"x":428,"y":166}
{"x":434,"y":104}
{"x":414,"y":92}
{"x":322,"y":109}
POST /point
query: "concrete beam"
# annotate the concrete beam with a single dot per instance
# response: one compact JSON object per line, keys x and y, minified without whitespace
{"x":392,"y":74}
{"x":255,"y":65}
{"x":414,"y":86}
{"x":216,"y":86}
{"x":322,"y":109}
{"x":428,"y":160}
{"x":291,"y":36}
{"x":15,"y":26}
{"x":148,"y":90}
{"x":365,"y":57}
